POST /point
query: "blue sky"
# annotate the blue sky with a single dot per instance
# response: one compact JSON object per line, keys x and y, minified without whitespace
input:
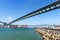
{"x":17,"y":8}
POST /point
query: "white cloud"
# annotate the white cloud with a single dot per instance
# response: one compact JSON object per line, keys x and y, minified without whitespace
{"x":9,"y":19}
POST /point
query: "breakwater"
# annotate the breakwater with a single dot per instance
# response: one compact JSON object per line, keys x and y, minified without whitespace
{"x":49,"y":34}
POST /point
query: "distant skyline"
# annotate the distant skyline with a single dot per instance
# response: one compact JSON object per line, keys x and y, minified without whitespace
{"x":14,"y":9}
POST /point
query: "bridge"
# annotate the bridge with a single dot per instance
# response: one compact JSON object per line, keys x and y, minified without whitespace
{"x":49,"y":7}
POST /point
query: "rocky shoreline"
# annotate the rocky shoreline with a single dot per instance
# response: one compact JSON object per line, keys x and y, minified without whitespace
{"x":49,"y":34}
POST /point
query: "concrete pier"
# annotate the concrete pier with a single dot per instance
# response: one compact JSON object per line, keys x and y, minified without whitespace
{"x":49,"y":34}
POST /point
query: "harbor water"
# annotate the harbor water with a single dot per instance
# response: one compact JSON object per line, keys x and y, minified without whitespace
{"x":19,"y":34}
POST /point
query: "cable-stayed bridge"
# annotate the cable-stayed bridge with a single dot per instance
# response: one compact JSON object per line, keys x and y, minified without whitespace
{"x":49,"y":7}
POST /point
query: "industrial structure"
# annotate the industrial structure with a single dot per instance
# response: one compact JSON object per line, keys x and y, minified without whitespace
{"x":42,"y":10}
{"x":47,"y":8}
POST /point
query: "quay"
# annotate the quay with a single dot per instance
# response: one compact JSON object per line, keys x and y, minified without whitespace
{"x":49,"y":34}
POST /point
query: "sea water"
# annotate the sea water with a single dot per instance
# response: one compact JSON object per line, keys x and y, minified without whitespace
{"x":19,"y":34}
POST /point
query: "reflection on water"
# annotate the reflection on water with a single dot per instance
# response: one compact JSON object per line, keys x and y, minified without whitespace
{"x":19,"y":34}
